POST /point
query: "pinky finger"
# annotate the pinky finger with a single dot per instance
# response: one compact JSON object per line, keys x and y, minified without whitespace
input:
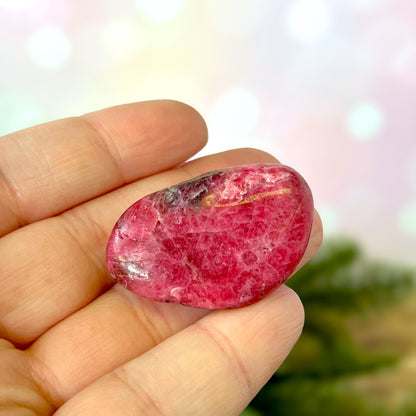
{"x":214,"y":367}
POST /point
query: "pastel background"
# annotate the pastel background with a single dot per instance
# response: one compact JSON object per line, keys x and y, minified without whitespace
{"x":329,"y":87}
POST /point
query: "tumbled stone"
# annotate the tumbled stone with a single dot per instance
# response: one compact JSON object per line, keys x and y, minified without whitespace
{"x":222,"y":240}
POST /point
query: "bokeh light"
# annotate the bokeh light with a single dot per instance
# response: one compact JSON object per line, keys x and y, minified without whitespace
{"x":329,"y":218}
{"x":365,"y":121}
{"x":49,"y":47}
{"x":308,"y":20}
{"x":236,"y":113}
{"x":159,"y":10}
{"x":407,"y":219}
{"x":328,"y":87}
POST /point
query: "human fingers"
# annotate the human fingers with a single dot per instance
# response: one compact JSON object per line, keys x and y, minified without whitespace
{"x":111,"y":330}
{"x":56,"y":266}
{"x":213,"y":367}
{"x":49,"y":168}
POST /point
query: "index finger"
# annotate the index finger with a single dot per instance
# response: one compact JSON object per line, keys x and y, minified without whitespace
{"x":49,"y":168}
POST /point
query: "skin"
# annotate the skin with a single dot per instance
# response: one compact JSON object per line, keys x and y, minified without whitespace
{"x":73,"y":342}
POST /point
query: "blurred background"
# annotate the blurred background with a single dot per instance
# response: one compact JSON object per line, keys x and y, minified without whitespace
{"x":328,"y":86}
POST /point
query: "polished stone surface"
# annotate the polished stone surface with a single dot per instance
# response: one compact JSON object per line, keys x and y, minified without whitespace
{"x":222,"y":240}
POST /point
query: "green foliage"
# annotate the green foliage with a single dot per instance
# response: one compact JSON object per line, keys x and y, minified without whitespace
{"x":300,"y":397}
{"x":341,"y":278}
{"x":338,"y":283}
{"x":250,"y":412}
{"x":410,"y":407}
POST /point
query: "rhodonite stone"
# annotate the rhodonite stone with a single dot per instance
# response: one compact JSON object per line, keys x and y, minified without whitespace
{"x":222,"y":240}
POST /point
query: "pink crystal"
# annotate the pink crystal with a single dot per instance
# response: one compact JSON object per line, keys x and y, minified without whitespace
{"x":222,"y":240}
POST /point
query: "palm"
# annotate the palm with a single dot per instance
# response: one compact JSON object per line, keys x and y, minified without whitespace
{"x":69,"y":334}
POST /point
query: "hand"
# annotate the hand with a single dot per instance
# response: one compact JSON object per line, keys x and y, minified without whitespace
{"x":75,"y":343}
